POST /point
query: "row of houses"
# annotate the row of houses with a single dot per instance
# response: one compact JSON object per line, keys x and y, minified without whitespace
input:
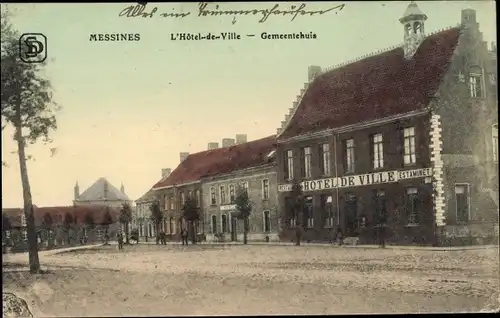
{"x":407,"y":137}
{"x":60,"y":225}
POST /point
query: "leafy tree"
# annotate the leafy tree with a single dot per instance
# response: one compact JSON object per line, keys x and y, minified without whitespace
{"x":107,"y":220}
{"x":296,"y":198}
{"x":125,"y":218}
{"x":67,"y":221}
{"x":157,"y":217}
{"x":191,"y":213}
{"x":28,"y":108}
{"x":244,"y":208}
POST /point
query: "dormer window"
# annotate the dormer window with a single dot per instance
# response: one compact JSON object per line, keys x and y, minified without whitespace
{"x":475,"y":85}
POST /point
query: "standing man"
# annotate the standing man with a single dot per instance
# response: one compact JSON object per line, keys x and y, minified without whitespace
{"x":120,"y":240}
{"x":184,"y":236}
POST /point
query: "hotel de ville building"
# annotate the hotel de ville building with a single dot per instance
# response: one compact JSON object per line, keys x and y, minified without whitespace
{"x":406,"y":138}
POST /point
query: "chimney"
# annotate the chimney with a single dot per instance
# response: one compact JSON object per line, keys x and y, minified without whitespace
{"x":313,"y":71}
{"x":165,"y":172}
{"x":228,"y":142}
{"x":241,"y":139}
{"x":213,"y":145}
{"x":183,"y":156}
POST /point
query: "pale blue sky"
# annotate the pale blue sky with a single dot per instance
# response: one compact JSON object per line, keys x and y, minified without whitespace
{"x":129,"y":108}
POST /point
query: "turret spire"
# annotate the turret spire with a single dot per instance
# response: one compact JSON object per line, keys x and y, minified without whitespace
{"x":413,"y":21}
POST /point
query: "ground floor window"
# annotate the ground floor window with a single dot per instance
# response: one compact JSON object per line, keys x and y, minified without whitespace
{"x":214,"y":224}
{"x":25,"y":235}
{"x":411,"y":205}
{"x":99,"y":233}
{"x":199,"y":226}
{"x":308,"y":212}
{"x":293,"y":222}
{"x":351,"y":214}
{"x":267,"y":221}
{"x":224,"y":224}
{"x":327,"y":211}
{"x":172,"y":225}
{"x":380,"y":207}
{"x":463,"y":202}
{"x":140,"y":229}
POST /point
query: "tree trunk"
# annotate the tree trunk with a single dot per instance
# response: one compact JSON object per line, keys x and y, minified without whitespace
{"x":157,"y":227}
{"x":245,"y":230}
{"x":126,"y":234}
{"x":106,"y":235}
{"x":34,"y":261}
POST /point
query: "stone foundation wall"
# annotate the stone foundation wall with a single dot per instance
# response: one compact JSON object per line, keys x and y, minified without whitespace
{"x":470,"y":234}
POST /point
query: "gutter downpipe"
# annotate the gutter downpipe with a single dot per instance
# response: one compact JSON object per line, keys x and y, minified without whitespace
{"x":335,"y":140}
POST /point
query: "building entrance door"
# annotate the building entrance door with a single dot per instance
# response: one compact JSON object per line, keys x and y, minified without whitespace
{"x":234,"y":223}
{"x":350,"y":216}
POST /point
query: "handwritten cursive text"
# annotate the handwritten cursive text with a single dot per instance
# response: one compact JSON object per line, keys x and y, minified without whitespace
{"x":204,"y":10}
{"x":265,"y":13}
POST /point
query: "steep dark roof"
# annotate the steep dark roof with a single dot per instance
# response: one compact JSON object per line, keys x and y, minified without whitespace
{"x":57,"y":213}
{"x":220,"y":161}
{"x":375,"y":87}
{"x":96,"y":192}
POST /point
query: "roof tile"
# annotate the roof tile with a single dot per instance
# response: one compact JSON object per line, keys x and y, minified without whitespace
{"x":219,"y":161}
{"x":375,"y":87}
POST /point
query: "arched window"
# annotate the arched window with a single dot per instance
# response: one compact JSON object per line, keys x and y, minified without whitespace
{"x":407,"y":29}
{"x":417,"y":27}
{"x":494,"y":139}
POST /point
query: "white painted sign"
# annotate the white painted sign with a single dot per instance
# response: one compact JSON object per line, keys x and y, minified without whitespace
{"x":228,"y":207}
{"x":359,"y":180}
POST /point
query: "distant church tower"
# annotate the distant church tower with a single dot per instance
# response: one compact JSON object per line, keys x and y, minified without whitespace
{"x":122,"y":188}
{"x":76,"y":191}
{"x":413,"y":22}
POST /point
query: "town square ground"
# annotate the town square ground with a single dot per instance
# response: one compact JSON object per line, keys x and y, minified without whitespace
{"x":205,"y":279}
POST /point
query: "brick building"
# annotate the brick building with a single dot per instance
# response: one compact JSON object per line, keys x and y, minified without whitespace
{"x":141,"y":218}
{"x":60,"y":225}
{"x":251,"y":166}
{"x":405,"y":138}
{"x":250,"y":163}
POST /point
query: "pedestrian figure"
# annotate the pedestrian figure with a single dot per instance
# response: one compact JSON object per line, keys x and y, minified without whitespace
{"x":381,"y":230}
{"x":184,"y":236}
{"x":120,"y":240}
{"x":340,"y":238}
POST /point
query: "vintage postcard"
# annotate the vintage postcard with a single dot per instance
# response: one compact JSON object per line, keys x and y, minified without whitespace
{"x":249,"y":158}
